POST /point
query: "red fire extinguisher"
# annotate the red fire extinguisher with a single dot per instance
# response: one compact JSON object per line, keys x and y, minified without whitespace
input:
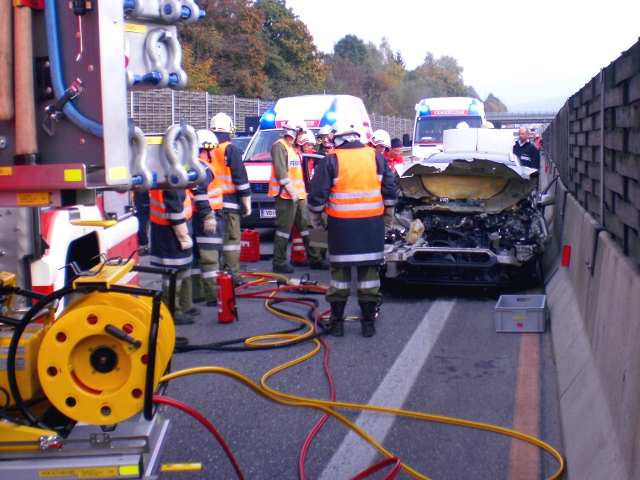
{"x":227,"y":310}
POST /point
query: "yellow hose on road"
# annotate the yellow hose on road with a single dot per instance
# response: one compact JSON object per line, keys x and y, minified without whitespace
{"x":327,"y":406}
{"x":323,"y":406}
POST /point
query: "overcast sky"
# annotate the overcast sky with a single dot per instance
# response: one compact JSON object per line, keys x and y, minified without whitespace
{"x":528,"y":54}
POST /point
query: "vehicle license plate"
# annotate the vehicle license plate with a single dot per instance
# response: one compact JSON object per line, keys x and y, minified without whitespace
{"x":268,"y":213}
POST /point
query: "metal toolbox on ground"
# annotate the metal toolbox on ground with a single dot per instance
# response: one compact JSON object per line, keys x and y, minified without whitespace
{"x":521,"y":313}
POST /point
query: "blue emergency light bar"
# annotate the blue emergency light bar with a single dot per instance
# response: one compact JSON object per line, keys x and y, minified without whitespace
{"x":268,"y":120}
{"x":331,"y":115}
{"x":424,"y":109}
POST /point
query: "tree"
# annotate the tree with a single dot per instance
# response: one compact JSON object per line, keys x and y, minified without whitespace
{"x":351,"y":48}
{"x":292,"y":62}
{"x":493,"y":104}
{"x":229,"y":36}
{"x":444,"y":75}
{"x":200,"y":77}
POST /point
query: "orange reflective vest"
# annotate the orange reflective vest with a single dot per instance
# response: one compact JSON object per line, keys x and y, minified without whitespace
{"x":214,"y":192}
{"x":357,"y":191}
{"x":158,"y":209}
{"x":294,"y":172}
{"x":221,"y":172}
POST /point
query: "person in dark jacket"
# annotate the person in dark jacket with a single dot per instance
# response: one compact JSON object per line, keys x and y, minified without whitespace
{"x":208,"y":226}
{"x":229,"y":169}
{"x":353,"y":186}
{"x":171,"y":246}
{"x":526,"y":151}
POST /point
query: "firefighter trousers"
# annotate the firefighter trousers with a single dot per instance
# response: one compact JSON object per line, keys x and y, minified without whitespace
{"x":368,"y":286}
{"x":184,"y":301}
{"x":231,"y":244}
{"x":204,"y":274}
{"x":287,"y":215}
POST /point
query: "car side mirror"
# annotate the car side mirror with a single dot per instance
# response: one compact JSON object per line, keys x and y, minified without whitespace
{"x":546,"y":200}
{"x":406,"y":140}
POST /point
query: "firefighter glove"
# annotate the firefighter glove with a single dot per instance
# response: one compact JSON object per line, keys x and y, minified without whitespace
{"x":182,"y":234}
{"x":388,"y":218}
{"x":317,"y":222}
{"x":246,"y":202}
{"x":291,"y":191}
{"x":209,"y":224}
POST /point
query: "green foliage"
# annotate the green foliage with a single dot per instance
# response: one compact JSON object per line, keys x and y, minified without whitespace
{"x":493,"y":104}
{"x":292,"y":62}
{"x":443,"y":75}
{"x":228,"y":37}
{"x":351,"y":48}
{"x":200,"y":78}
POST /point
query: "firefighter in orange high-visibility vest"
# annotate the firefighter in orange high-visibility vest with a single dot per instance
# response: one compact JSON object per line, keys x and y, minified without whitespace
{"x":286,"y":185}
{"x":171,"y":246}
{"x":355,"y":187}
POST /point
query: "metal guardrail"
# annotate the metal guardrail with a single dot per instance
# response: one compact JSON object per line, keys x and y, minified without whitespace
{"x":521,"y":117}
{"x":521,"y":114}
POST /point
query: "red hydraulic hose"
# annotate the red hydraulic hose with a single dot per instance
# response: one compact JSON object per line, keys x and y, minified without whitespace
{"x":325,"y":417}
{"x":195,"y":414}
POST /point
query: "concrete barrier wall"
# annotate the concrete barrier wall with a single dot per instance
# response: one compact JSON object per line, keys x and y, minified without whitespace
{"x":595,"y":323}
{"x":593,"y":145}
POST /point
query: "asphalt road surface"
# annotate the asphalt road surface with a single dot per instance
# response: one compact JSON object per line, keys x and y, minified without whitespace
{"x":436,"y":352}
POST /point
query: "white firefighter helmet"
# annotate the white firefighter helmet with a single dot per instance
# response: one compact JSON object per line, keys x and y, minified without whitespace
{"x":326,"y":130}
{"x":343,"y":127}
{"x":294,"y":127}
{"x":380,"y":137}
{"x":343,"y":131}
{"x":207,"y":139}
{"x":305,"y":138}
{"x":462,"y":125}
{"x":221,"y":122}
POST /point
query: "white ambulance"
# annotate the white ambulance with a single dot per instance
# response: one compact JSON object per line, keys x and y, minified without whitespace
{"x":317,"y":111}
{"x":435,"y":115}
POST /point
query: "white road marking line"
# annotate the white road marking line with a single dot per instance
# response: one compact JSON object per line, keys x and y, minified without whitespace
{"x":354,"y":454}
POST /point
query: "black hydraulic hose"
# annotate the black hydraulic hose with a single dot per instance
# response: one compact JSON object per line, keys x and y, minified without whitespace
{"x":172,"y":273}
{"x":30,"y":315}
{"x":182,"y":343}
{"x":13,"y":348}
{"x":12,"y":322}
{"x":156,"y":296}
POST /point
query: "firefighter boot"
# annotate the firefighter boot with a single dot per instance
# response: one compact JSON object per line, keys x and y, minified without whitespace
{"x":368,"y":317}
{"x":336,"y":321}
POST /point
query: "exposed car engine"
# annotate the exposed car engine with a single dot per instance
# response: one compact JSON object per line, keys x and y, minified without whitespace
{"x":467,"y":217}
{"x":471,"y":248}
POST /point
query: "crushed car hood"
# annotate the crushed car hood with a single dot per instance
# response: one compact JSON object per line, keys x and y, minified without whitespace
{"x":450,"y":181}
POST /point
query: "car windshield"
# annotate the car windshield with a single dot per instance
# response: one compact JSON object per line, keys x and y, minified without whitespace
{"x":241,"y":142}
{"x":260,"y":148}
{"x":430,"y":129}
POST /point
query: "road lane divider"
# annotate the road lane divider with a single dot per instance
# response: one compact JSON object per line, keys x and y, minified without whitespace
{"x":354,"y":454}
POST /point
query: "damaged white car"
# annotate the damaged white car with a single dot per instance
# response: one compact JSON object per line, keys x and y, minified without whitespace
{"x":468,"y":215}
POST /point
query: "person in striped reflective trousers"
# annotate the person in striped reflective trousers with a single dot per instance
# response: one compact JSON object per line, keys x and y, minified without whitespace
{"x":353,"y":186}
